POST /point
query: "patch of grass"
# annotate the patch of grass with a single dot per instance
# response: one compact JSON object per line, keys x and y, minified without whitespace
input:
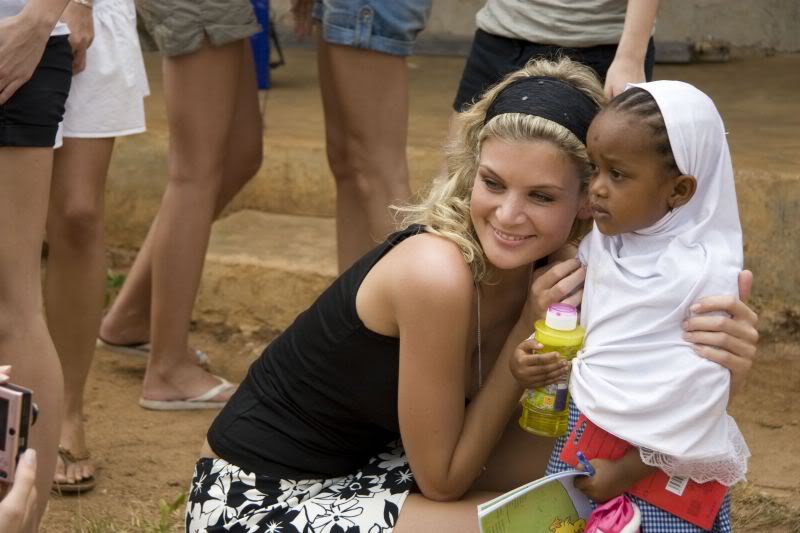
{"x":113,"y":285}
{"x":170,"y":520}
{"x":755,"y":510}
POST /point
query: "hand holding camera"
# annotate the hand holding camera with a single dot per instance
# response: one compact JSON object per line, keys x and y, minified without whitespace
{"x":17,"y":415}
{"x":17,"y":499}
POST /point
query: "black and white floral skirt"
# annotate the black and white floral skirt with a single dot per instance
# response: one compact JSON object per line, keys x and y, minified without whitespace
{"x":223,"y":497}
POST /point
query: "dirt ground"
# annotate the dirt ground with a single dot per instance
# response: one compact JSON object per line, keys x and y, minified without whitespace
{"x":146,"y":457}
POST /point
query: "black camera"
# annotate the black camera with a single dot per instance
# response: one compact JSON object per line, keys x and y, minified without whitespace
{"x":17,"y":415}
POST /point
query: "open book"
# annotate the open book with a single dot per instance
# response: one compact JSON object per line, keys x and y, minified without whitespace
{"x":548,"y":505}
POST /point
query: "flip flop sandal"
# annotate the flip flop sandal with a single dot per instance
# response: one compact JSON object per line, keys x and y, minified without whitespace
{"x":78,"y":487}
{"x":142,"y":349}
{"x":191,"y":404}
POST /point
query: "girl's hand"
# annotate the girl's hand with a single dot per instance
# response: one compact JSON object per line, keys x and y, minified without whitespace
{"x":536,"y":369}
{"x":560,"y":282}
{"x":5,"y":372}
{"x":81,"y":33}
{"x":609,"y":481}
{"x":730,"y":342}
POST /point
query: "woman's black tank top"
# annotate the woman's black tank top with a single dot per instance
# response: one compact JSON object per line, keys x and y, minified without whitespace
{"x":322,"y":397}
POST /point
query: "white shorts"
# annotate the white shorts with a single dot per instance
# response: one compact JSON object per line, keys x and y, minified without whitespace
{"x":106,"y":99}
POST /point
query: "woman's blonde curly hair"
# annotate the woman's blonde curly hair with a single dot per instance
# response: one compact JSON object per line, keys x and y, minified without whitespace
{"x":445,"y":211}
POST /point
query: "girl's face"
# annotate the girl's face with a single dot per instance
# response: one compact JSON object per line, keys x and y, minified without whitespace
{"x":524,"y":200}
{"x":628,"y":188}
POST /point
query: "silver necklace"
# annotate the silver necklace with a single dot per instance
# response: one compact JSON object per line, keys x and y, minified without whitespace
{"x":478,"y":298}
{"x":480,"y":358}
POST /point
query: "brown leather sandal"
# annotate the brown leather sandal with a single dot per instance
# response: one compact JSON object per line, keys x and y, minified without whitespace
{"x":78,"y":487}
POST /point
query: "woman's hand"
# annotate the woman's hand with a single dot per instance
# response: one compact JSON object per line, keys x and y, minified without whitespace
{"x":22,"y":42}
{"x":623,"y":71}
{"x":560,"y":282}
{"x":532,"y":369}
{"x":301,"y":15}
{"x":731,"y":342}
{"x":81,"y":33}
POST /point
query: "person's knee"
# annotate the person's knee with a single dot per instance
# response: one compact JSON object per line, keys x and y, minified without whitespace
{"x":367,"y":173}
{"x":75,"y":225}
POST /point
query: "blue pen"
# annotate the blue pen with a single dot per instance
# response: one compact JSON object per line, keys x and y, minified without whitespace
{"x":587,"y":466}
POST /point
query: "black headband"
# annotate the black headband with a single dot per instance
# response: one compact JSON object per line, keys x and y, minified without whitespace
{"x":546,"y":97}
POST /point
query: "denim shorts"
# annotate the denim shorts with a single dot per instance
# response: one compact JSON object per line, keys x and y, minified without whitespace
{"x":388,"y":26}
{"x":492,"y":57}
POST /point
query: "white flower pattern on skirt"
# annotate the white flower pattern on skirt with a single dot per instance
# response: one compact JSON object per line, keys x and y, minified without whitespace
{"x":223,"y":497}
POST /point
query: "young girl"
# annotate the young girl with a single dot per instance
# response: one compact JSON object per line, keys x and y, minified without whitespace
{"x":667,"y":233}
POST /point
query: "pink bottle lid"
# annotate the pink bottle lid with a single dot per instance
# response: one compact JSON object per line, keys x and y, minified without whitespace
{"x":563,"y":317}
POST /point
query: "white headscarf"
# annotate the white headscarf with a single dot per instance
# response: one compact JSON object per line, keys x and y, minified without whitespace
{"x":636,"y":377}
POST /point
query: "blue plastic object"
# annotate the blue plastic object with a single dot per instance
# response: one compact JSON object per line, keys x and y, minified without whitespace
{"x":260,"y":43}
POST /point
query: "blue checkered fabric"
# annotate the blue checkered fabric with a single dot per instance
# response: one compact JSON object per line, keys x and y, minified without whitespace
{"x":654,"y":520}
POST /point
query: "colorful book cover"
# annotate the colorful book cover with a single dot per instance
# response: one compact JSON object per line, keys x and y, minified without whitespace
{"x":694,"y":502}
{"x":549,"y":505}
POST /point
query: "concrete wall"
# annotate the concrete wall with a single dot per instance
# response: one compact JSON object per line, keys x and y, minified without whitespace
{"x":749,"y":25}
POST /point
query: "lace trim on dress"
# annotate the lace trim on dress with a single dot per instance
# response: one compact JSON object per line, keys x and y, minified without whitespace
{"x":726,"y":469}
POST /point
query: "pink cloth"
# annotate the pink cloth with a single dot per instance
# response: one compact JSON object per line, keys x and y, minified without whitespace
{"x":618,"y":515}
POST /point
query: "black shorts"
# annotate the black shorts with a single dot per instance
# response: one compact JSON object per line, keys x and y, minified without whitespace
{"x":31,"y":116}
{"x":492,"y":57}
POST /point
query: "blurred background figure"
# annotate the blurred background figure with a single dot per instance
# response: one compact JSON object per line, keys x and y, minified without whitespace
{"x":105,"y":101}
{"x":215,"y":147}
{"x":35,"y":74}
{"x":361,"y":54}
{"x":613,"y":37}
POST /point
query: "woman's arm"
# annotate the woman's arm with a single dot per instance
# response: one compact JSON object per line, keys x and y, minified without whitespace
{"x":731,"y":342}
{"x":628,"y":64}
{"x":434,"y":306}
{"x":448,"y":445}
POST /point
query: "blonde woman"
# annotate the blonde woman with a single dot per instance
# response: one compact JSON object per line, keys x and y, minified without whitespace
{"x":413,"y":342}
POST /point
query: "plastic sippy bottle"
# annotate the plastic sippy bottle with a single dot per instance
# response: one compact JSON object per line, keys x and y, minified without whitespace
{"x":544,"y":409}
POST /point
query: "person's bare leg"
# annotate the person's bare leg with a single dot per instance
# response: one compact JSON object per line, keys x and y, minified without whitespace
{"x":24,"y":340}
{"x":421,"y":515}
{"x":75,"y":279}
{"x":365,"y":100}
{"x":128,"y":320}
{"x":201,"y":93}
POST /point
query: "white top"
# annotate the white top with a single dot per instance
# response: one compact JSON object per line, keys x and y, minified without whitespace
{"x":9,"y":8}
{"x":636,"y":377}
{"x":570,"y":23}
{"x":106,"y":98}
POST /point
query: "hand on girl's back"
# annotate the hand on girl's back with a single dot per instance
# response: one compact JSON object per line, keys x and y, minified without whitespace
{"x":532,"y":369}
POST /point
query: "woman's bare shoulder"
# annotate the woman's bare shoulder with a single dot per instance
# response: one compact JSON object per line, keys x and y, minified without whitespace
{"x":431,"y":263}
